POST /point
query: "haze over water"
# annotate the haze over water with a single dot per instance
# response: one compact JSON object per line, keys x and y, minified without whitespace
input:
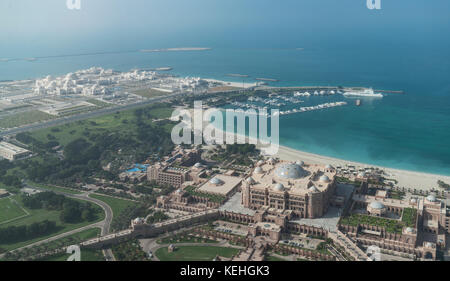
{"x":400,"y":47}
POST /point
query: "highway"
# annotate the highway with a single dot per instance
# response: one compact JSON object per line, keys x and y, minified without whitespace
{"x":83,"y":116}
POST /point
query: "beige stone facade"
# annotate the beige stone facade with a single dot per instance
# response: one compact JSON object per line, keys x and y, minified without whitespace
{"x":306,"y":190}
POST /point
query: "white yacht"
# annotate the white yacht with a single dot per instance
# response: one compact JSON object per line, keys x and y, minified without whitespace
{"x":363,"y":93}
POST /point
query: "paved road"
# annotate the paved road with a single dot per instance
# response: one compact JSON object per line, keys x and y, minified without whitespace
{"x":104,"y":225}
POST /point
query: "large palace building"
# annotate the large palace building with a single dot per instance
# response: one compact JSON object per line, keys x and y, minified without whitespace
{"x":306,"y":190}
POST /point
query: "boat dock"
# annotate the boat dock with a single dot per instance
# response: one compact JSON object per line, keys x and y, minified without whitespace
{"x":267,"y":79}
{"x":390,"y":92}
{"x":238,"y":75}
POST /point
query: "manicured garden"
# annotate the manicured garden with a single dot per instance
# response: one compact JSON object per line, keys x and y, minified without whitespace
{"x":192,"y":190}
{"x":392,"y":226}
{"x":409,"y":217}
{"x":184,"y":238}
{"x":195,"y":253}
{"x":129,"y":251}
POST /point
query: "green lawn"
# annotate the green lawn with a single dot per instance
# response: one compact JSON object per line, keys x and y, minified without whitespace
{"x":195,"y":253}
{"x":38,"y":215}
{"x":117,"y":205}
{"x":184,"y":239}
{"x":10,"y":210}
{"x":123,"y":122}
{"x":24,"y":118}
{"x":150,"y":93}
{"x":274,"y":258}
{"x":391,"y":225}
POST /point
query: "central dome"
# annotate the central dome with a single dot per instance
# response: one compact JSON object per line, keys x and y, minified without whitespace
{"x":216,"y":181}
{"x":290,"y":171}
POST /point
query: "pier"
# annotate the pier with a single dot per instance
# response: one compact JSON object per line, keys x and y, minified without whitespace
{"x":267,"y":79}
{"x":390,"y":92}
{"x":238,"y":75}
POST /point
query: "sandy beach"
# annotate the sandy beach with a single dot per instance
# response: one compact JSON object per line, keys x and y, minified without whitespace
{"x":405,"y":178}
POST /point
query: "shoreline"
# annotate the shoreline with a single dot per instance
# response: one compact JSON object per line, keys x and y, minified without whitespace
{"x":405,"y":178}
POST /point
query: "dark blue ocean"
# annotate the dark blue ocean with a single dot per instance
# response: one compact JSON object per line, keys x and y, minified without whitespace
{"x":410,"y":131}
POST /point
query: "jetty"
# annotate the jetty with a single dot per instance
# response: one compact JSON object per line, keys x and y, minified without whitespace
{"x":390,"y":92}
{"x":238,"y":75}
{"x":267,"y":79}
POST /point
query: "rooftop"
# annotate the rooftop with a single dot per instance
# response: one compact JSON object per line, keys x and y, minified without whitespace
{"x":12,"y":148}
{"x":294,"y":178}
{"x":220,"y":184}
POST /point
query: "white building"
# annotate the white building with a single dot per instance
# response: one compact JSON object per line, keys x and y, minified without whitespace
{"x":12,"y":152}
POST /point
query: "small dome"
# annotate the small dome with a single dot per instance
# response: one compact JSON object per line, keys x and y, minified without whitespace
{"x":259,"y":170}
{"x":313,"y":189}
{"x":198,"y":165}
{"x":216,"y":181}
{"x":324,"y":178}
{"x":414,"y":200}
{"x":329,"y":166}
{"x":409,"y":230}
{"x":431,"y":198}
{"x":260,"y":162}
{"x":138,"y":221}
{"x":179,"y":191}
{"x":250,"y":180}
{"x":300,"y":162}
{"x":279,"y":187}
{"x":377,"y":205}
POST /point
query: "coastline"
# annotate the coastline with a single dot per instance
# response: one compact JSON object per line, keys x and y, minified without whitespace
{"x":405,"y":178}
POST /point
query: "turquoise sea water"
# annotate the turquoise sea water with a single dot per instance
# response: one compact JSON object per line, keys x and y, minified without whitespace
{"x":410,"y":131}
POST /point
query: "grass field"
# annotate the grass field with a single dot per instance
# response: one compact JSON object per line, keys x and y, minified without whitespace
{"x":117,"y":205}
{"x":24,"y":118}
{"x":9,"y":210}
{"x":273,"y":258}
{"x":123,"y":122}
{"x":39,"y":215}
{"x":195,"y":253}
{"x":150,"y":93}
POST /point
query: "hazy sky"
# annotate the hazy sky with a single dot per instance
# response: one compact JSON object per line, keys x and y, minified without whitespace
{"x":128,"y":24}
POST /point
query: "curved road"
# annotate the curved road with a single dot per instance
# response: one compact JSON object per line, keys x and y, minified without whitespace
{"x":104,"y":225}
